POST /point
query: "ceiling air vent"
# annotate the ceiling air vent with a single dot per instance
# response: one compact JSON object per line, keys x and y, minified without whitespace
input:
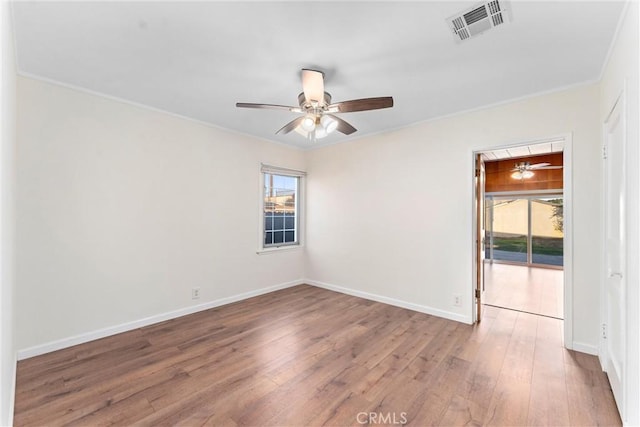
{"x":478,"y":19}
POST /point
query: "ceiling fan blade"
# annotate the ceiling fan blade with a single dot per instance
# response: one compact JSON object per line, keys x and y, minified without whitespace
{"x":290,"y":126}
{"x":343,"y":126}
{"x":313,"y":85}
{"x":364,"y":104}
{"x":538,"y":165}
{"x":268,"y":106}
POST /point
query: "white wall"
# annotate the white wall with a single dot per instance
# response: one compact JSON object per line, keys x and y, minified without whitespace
{"x":621,"y":73}
{"x":122,"y":210}
{"x":391,"y":215}
{"x":7,"y":183}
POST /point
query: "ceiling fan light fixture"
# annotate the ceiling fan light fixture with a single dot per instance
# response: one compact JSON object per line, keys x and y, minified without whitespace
{"x":329,"y":124}
{"x":309,"y":123}
{"x":320,"y":132}
{"x":522,"y":174}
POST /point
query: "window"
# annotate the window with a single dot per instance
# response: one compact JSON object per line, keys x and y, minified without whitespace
{"x":280,"y":202}
{"x":525,"y":229}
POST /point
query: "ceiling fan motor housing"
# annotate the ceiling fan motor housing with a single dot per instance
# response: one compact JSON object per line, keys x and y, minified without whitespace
{"x":307,"y":105}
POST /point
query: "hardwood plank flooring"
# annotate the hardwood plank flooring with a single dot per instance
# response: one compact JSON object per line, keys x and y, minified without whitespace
{"x":306,"y":356}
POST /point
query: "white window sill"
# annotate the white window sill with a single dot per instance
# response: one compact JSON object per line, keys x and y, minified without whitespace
{"x":264,"y":251}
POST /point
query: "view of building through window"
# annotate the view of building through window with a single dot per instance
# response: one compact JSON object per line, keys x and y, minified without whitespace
{"x":525,"y":230}
{"x":280,"y":209}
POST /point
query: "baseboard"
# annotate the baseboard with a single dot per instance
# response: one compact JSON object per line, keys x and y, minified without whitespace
{"x":392,"y":301}
{"x":128,"y":326}
{"x":125,"y":327}
{"x":585,"y":348}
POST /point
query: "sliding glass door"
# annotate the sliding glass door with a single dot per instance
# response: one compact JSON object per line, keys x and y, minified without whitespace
{"x":547,"y":230}
{"x":507,"y":229}
{"x":524,"y":229}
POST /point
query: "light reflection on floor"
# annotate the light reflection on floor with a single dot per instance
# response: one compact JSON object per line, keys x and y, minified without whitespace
{"x":531,"y":289}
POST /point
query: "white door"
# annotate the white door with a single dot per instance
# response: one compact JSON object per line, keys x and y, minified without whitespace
{"x":615,"y":253}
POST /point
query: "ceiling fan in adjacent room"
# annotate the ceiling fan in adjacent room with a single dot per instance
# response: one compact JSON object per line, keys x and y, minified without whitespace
{"x":524,"y":170}
{"x":318,"y":117}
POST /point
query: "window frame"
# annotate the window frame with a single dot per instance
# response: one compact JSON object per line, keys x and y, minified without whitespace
{"x":299,"y":194}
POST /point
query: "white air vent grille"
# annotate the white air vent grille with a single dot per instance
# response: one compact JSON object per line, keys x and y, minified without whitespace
{"x":478,"y":19}
{"x":475,"y":15}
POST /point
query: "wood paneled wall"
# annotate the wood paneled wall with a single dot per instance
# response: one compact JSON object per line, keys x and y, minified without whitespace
{"x":498,"y":175}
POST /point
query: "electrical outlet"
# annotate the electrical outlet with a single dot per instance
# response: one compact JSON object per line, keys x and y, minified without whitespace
{"x":195,"y":293}
{"x":457,"y":300}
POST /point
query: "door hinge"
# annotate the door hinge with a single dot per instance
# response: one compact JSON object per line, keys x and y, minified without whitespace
{"x":604,"y":331}
{"x":477,"y":293}
{"x":604,"y":152}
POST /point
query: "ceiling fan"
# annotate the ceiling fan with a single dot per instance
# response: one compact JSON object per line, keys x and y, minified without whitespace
{"x":318,"y":113}
{"x":524,"y":170}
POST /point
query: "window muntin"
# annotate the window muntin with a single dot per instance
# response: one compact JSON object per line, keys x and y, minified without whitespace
{"x":280,"y":210}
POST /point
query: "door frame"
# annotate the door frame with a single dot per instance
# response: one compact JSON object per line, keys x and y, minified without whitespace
{"x":567,"y":175}
{"x":479,"y":234}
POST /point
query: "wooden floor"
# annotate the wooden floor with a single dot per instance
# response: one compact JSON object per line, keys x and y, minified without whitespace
{"x":531,"y":289}
{"x":307,"y":356}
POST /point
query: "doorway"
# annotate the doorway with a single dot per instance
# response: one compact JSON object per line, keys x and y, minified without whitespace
{"x":525,"y":240}
{"x":524,"y":253}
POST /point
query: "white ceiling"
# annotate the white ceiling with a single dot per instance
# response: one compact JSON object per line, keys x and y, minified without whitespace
{"x":197,"y":59}
{"x":556,"y":146}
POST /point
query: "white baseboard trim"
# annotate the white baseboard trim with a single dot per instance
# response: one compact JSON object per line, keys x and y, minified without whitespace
{"x":128,"y":326}
{"x":392,"y":301}
{"x":585,"y":348}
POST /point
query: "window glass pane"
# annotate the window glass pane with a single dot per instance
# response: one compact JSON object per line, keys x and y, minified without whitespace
{"x":267,"y":192}
{"x":290,"y":222}
{"x":547,"y":231}
{"x":278,"y":236}
{"x":289,"y":203}
{"x":284,"y":182}
{"x":289,"y":236}
{"x":278,"y":222}
{"x":268,"y":221}
{"x":268,"y":238}
{"x":507,"y":235}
